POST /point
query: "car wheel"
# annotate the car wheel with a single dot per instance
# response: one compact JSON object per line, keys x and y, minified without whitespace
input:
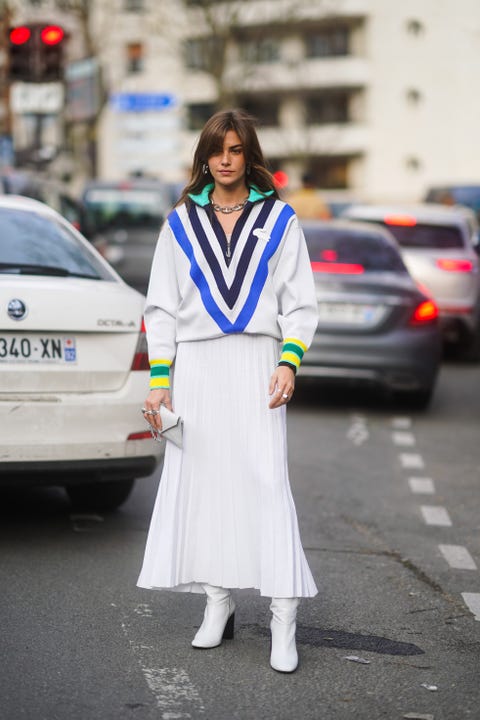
{"x":99,"y":496}
{"x":470,"y":350}
{"x":414,"y":399}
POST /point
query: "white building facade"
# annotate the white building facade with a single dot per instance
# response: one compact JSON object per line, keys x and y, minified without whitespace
{"x":374,"y":96}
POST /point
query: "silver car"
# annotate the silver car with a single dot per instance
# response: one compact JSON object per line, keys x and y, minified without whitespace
{"x":375,"y":325}
{"x":439,"y":246}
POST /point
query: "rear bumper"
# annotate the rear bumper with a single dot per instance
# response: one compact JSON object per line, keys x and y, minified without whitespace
{"x":398,"y":361}
{"x":74,"y":472}
{"x":83,"y":431}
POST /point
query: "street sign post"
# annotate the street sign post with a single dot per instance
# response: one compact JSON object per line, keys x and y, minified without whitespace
{"x":37,"y":98}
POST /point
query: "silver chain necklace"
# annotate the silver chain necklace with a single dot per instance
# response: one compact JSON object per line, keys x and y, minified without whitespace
{"x":227,"y":209}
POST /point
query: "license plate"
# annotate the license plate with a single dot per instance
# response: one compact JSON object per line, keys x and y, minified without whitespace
{"x":37,"y":349}
{"x":349,"y":314}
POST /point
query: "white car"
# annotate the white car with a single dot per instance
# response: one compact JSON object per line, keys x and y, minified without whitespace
{"x":73,"y":363}
{"x":439,"y":246}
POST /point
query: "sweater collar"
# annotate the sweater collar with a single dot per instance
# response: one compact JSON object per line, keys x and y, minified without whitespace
{"x":203,"y":198}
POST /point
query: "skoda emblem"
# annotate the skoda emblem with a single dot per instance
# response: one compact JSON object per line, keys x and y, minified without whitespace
{"x":17,"y":309}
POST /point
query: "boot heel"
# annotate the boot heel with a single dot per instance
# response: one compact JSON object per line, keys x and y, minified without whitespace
{"x":229,"y":628}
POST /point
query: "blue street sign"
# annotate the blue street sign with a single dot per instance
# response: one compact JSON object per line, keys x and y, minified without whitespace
{"x":142,"y":102}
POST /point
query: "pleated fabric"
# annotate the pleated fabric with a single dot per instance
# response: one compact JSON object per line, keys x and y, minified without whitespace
{"x":224,"y":512}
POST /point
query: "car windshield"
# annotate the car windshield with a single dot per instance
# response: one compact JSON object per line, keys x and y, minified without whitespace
{"x":421,"y":235}
{"x":33,"y":244}
{"x":113,"y":208}
{"x":372,"y":252}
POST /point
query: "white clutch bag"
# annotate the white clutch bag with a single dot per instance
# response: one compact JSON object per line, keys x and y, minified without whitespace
{"x":172,"y":427}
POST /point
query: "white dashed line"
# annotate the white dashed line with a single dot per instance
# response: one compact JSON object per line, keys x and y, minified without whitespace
{"x":403,"y":438}
{"x":421,"y":485}
{"x":435,"y":515}
{"x":411,"y":460}
{"x":402,"y":423}
{"x":458,"y":557}
{"x":472,"y":600}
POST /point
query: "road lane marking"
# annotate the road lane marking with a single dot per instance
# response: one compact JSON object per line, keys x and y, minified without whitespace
{"x":458,"y":557}
{"x":421,"y":485}
{"x":172,"y":687}
{"x":435,"y":515}
{"x":403,"y":438}
{"x":175,"y":694}
{"x":472,"y":601}
{"x":411,"y":460}
{"x":402,"y":423}
{"x":358,"y":431}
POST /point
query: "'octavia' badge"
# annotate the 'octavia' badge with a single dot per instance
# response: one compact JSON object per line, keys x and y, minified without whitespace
{"x":17,"y":309}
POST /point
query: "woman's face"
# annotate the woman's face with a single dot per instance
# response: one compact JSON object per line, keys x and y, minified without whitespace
{"x":227,"y":167}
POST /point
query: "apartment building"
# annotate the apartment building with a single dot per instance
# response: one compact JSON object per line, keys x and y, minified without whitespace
{"x":373,"y":96}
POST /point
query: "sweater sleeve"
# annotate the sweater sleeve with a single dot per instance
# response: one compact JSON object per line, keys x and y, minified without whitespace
{"x":161,"y":306}
{"x":297,"y":301}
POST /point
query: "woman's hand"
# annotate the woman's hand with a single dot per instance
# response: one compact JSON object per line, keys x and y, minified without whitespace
{"x":154,"y":399}
{"x":282,"y":385}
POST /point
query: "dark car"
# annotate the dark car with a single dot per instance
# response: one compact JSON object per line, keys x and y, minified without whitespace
{"x":129,"y":214}
{"x":375,"y":325}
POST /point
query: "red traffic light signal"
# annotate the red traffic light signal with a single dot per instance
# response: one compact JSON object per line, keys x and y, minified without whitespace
{"x":20,"y":35}
{"x":52,"y":35}
{"x":20,"y":53}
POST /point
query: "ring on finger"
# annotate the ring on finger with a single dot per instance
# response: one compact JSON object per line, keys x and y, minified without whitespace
{"x":285,"y":396}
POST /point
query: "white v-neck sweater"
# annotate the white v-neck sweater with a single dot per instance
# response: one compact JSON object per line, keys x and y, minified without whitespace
{"x":266,"y":289}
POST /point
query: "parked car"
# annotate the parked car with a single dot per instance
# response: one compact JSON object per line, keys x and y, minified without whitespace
{"x":73,"y":362}
{"x":439,"y":246}
{"x":129,"y":215}
{"x":375,"y":325}
{"x":467,"y":195}
{"x":56,"y":195}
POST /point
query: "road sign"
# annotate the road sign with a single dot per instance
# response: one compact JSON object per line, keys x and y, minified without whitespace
{"x":38,"y":98}
{"x":143,"y":102}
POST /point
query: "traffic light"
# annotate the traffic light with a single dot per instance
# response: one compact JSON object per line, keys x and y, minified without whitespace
{"x":51,"y":44}
{"x":36,"y":52}
{"x":21,"y":45}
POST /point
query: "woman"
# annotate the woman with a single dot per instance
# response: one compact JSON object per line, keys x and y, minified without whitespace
{"x":230,"y":279}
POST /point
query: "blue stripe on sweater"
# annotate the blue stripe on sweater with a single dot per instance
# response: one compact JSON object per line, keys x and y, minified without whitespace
{"x":259,"y":278}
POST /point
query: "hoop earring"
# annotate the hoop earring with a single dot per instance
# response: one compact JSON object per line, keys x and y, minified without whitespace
{"x":205,"y":169}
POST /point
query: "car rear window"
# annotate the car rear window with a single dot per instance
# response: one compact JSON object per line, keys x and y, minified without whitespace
{"x":33,"y":244}
{"x":426,"y":236}
{"x":372,"y":252}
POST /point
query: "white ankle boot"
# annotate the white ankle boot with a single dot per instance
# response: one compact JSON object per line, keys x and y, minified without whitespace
{"x":284,"y":657}
{"x":218,"y":620}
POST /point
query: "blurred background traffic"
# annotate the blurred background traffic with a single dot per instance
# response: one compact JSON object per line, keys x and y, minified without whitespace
{"x":368,"y":117}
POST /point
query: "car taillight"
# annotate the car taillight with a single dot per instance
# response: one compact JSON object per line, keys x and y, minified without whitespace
{"x":454,"y":265}
{"x":140,"y":359}
{"x":405,"y":220}
{"x":425,"y":312}
{"x":339,"y":268}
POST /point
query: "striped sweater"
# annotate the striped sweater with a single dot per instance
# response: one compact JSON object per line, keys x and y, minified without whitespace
{"x":202,"y":286}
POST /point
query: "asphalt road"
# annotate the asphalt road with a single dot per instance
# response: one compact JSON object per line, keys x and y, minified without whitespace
{"x":388,"y":505}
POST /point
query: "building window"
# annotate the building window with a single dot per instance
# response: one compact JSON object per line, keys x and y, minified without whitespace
{"x":198,"y":114}
{"x":328,"y":42}
{"x":327,"y":108}
{"x":330,"y":173}
{"x":265,"y":109}
{"x":415,"y":27}
{"x":414,"y":96}
{"x":260,"y":50}
{"x":134,"y":57}
{"x":201,"y":53}
{"x":133,"y":5}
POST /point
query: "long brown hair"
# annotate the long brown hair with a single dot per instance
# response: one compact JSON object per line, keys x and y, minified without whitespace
{"x":211,"y":142}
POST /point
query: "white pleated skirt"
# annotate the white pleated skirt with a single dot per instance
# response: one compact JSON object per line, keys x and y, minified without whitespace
{"x":224,"y":512}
